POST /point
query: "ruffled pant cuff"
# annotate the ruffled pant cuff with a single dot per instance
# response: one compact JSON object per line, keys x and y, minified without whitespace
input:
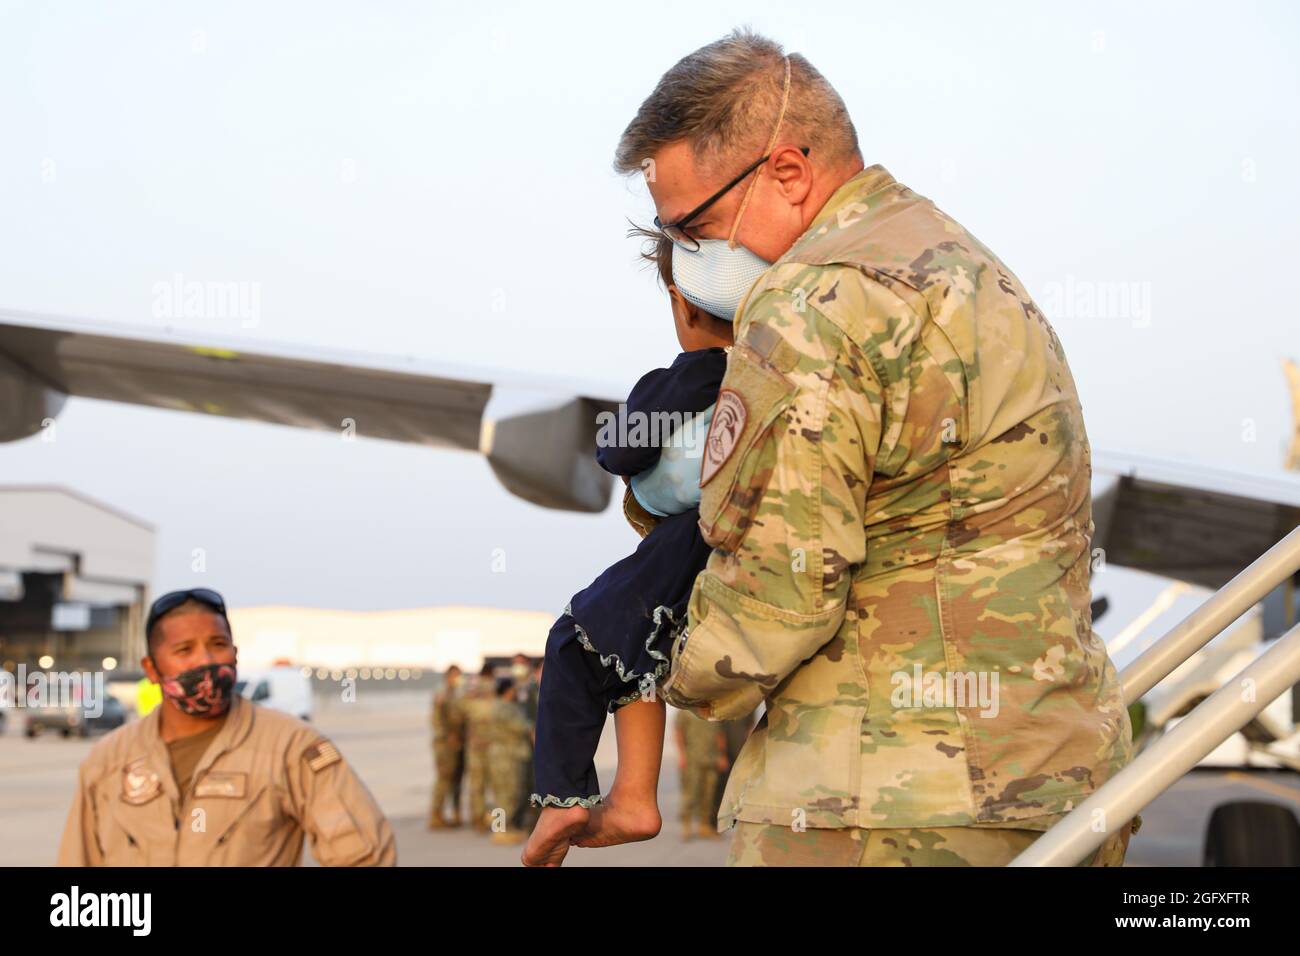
{"x":550,"y":800}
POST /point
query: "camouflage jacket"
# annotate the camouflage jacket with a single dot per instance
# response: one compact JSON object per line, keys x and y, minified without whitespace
{"x":476,"y":705}
{"x":897,"y":492}
{"x":448,"y":719}
{"x":510,"y":734}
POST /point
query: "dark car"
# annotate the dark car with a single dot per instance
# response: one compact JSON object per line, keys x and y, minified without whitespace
{"x":73,"y":720}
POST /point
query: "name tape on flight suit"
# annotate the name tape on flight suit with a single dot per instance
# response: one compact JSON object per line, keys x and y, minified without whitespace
{"x":222,"y":785}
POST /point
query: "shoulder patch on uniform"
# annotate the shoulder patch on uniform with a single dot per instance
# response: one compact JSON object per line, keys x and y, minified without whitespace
{"x":320,"y":755}
{"x":724,"y":433}
{"x":761,"y":338}
{"x":767,"y":343}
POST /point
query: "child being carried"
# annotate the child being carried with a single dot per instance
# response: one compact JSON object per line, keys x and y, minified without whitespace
{"x":612,"y":644}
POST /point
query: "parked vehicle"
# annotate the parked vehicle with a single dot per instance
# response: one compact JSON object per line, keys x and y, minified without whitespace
{"x":72,"y":720}
{"x":283,"y":688}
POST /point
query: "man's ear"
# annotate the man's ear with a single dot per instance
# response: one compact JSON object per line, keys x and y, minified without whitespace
{"x":793,"y":173}
{"x":150,"y":668}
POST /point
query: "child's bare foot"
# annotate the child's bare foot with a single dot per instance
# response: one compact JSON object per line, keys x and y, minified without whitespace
{"x":621,"y":820}
{"x":555,"y":830}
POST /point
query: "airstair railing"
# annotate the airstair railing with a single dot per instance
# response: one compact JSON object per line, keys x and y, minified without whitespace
{"x":1209,"y":724}
{"x":1213,"y":617}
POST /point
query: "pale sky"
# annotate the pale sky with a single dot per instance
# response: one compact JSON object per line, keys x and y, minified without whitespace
{"x":410,"y":180}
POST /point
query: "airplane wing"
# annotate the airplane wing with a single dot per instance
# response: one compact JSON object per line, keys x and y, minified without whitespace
{"x":545,"y":454}
{"x":1188,"y":522}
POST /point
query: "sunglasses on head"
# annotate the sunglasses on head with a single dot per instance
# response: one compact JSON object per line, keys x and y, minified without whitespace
{"x":174,"y":599}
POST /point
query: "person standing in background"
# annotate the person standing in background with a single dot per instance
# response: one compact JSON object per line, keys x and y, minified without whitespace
{"x":701,"y":757}
{"x":509,"y":746}
{"x":527,"y":678}
{"x":212,"y":779}
{"x":478,"y":721}
{"x":448,"y":751}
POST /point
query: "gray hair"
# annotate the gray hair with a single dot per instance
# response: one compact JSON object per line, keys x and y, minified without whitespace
{"x":724,"y":100}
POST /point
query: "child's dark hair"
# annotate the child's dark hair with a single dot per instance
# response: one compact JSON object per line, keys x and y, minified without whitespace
{"x":656,"y":249}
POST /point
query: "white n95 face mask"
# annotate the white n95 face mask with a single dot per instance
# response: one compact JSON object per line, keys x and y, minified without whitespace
{"x":715,"y":278}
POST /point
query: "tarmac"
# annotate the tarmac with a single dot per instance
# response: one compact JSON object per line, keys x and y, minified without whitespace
{"x":386,"y":737}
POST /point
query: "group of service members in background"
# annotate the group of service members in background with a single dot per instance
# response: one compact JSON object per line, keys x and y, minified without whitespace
{"x":483,"y":727}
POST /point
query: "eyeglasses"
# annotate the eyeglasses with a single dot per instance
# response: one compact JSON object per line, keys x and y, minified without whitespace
{"x":174,"y":599}
{"x":676,"y":231}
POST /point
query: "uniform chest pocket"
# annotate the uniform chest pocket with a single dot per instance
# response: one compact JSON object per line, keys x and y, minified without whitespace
{"x":249,"y":819}
{"x":740,"y":453}
{"x":128,"y":833}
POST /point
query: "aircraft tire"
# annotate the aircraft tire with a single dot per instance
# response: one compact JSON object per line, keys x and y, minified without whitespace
{"x":1252,"y":833}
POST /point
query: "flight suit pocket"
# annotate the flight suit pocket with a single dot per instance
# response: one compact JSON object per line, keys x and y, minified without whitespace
{"x":235,"y":818}
{"x":128,"y":832}
{"x":338,"y":840}
{"x":739,"y":458}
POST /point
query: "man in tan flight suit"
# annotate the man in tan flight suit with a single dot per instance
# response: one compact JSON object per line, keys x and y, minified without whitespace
{"x":212,"y":779}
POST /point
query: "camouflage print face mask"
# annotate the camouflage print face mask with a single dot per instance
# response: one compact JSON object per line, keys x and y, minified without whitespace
{"x":202,"y":691}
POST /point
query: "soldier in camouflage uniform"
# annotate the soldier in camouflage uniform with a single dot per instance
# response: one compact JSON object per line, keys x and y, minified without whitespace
{"x":527,"y":687}
{"x":448,"y":751}
{"x":478,"y":705}
{"x":898,"y":499}
{"x":702,"y":753}
{"x":510,"y":748}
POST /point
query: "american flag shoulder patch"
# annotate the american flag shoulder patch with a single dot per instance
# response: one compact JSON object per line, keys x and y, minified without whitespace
{"x":320,"y":755}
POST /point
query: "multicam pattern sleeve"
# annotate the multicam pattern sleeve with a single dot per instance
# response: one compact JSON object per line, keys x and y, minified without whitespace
{"x":897,"y":489}
{"x":782,"y":505}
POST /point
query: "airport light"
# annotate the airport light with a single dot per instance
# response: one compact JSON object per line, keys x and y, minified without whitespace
{"x":110,"y":663}
{"x":46,"y":661}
